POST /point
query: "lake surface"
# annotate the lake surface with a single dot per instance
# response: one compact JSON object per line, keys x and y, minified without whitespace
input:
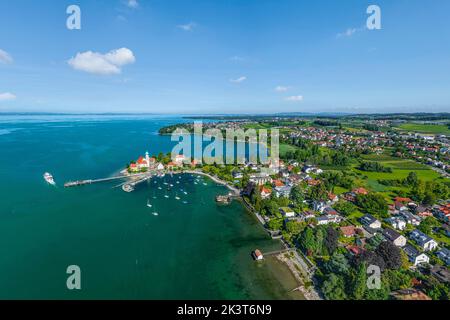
{"x":194,"y":249}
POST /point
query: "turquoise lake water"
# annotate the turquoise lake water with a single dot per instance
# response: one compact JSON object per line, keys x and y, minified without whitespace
{"x":194,"y":249}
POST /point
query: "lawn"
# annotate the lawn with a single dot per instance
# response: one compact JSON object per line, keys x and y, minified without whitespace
{"x":284,"y":148}
{"x":426,"y":128}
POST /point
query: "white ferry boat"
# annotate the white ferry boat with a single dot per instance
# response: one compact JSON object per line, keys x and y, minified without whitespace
{"x":49,"y":178}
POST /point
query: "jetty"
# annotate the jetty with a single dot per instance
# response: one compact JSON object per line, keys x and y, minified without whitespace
{"x":77,"y":183}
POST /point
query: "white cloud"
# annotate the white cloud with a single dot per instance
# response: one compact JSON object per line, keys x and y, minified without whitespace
{"x":238,"y":80}
{"x":132,"y":4}
{"x":5,"y":57}
{"x":349,"y":32}
{"x":282,"y":88}
{"x":188,"y":27}
{"x":7,"y":96}
{"x":104,"y":64}
{"x":294,"y":98}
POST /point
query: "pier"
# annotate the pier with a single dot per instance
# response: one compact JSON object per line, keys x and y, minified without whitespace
{"x":92,"y":181}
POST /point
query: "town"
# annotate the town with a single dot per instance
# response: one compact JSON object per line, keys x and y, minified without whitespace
{"x":348,"y":194}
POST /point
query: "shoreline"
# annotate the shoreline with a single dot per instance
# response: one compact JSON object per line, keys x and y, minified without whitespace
{"x":309,"y":293}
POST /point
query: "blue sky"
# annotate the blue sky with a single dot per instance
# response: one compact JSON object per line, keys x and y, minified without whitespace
{"x":225,"y":56}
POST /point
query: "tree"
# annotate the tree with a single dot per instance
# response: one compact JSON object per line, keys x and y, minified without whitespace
{"x":398,"y":279}
{"x":411,"y":179}
{"x":297,"y":195}
{"x":331,"y":240}
{"x":308,"y":241}
{"x":318,"y":192}
{"x":345,"y":208}
{"x":372,"y":203}
{"x":275,"y":224}
{"x":337,"y":264}
{"x":390,"y":254}
{"x":320,"y":238}
{"x":359,"y":282}
{"x":333,"y":288}
{"x":427,"y":225}
{"x":379,"y":294}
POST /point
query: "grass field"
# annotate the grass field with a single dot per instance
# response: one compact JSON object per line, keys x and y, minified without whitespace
{"x":426,"y":128}
{"x":284,"y":148}
{"x":400,"y":170}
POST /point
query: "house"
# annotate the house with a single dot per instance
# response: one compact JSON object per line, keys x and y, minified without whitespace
{"x":370,"y":221}
{"x":179,"y":159}
{"x":265,"y":192}
{"x":284,"y":191}
{"x":396,"y":223}
{"x":287,"y":212}
{"x":313,"y":182}
{"x":444,"y":255}
{"x":133,"y":167}
{"x":362,"y":191}
{"x":329,"y":211}
{"x":307,"y":215}
{"x":410,"y":218}
{"x":409,"y":294}
{"x":332,"y":197}
{"x":326,"y":219}
{"x":441,"y":273}
{"x":257,"y":255}
{"x":394,"y":237}
{"x":415,"y":256}
{"x":160,"y":166}
{"x":319,"y":206}
{"x":260,"y":179}
{"x":278,"y":183}
{"x":348,"y":231}
{"x":422,"y":211}
{"x":424,"y":241}
{"x":237,"y":175}
{"x":400,"y":206}
{"x":355,"y":250}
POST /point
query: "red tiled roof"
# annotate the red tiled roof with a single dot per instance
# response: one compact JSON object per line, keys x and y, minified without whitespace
{"x":348,"y":231}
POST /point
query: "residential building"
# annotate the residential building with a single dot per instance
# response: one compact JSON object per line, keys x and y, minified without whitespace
{"x":423,"y":241}
{"x":370,"y":221}
{"x":394,"y":237}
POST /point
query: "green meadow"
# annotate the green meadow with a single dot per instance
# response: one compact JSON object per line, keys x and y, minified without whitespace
{"x":426,"y":128}
{"x":400,"y":170}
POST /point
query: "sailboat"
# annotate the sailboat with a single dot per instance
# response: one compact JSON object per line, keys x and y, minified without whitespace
{"x":177,"y":197}
{"x":155,"y":213}
{"x":185,"y":192}
{"x":166,"y":195}
{"x":148,"y":204}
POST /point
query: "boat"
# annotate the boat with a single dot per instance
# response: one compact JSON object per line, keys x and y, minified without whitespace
{"x":185,"y":192}
{"x":159,"y":188}
{"x":205,"y":184}
{"x":148,"y":204}
{"x":177,"y":197}
{"x":166,"y":196}
{"x":127,"y":188}
{"x":49,"y":178}
{"x":185,"y":202}
{"x":155,"y":213}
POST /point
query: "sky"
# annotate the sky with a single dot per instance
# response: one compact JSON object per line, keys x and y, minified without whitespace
{"x":224,"y":56}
